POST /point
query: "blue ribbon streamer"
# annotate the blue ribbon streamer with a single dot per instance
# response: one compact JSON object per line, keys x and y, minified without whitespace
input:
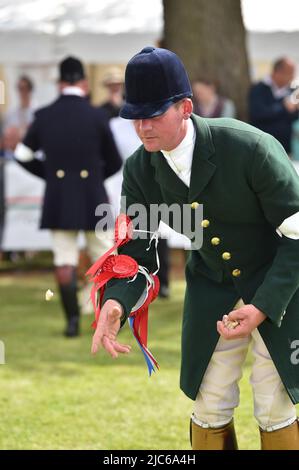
{"x":148,"y":360}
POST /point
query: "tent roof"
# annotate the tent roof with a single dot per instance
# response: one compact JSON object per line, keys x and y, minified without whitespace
{"x":63,"y":17}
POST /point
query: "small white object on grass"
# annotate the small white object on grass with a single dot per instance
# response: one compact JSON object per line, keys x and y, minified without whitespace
{"x":49,"y":294}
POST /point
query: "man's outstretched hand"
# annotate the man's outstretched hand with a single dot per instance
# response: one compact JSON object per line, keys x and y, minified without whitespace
{"x":247,"y":318}
{"x":107,"y":328}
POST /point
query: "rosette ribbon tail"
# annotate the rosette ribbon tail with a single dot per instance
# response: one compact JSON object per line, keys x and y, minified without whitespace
{"x":149,"y":358}
{"x":138,"y":321}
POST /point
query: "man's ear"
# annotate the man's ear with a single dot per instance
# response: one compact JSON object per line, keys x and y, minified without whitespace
{"x":187,"y":108}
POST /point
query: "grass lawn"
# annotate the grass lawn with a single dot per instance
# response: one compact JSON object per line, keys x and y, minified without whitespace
{"x":55,"y":395}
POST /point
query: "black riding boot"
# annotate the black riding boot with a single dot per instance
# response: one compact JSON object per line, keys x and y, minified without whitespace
{"x":67,"y":281}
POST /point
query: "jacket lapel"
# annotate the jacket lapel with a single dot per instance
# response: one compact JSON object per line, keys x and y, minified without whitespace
{"x":202,"y":169}
{"x":166,"y":177}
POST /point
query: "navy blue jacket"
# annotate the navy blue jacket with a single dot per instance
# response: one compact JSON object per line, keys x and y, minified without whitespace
{"x":80,"y":154}
{"x":269,"y":114}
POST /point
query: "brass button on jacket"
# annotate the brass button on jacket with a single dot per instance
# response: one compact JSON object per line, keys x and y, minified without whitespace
{"x":226,"y":256}
{"x":236,"y":272}
{"x":60,"y":174}
{"x":205,"y":223}
{"x":194,"y":205}
{"x":215,"y":241}
{"x":84,"y":174}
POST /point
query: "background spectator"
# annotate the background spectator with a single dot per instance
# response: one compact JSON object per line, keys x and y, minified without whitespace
{"x":270,"y":106}
{"x":22,"y":116}
{"x":79,"y":154}
{"x":114,"y":83}
{"x":207,"y":101}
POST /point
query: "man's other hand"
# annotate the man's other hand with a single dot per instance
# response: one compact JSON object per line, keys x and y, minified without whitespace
{"x":248,"y":318}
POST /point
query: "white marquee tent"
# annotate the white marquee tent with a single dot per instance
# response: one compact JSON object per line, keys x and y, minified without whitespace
{"x":36,"y":34}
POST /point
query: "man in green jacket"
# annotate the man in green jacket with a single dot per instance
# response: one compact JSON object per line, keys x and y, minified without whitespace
{"x":243,"y":279}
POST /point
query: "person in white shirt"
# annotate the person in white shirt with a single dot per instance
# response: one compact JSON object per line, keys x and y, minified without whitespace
{"x":22,"y":116}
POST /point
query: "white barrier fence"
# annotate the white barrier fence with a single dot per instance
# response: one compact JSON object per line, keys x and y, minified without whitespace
{"x":23,"y":200}
{"x":23,"y":194}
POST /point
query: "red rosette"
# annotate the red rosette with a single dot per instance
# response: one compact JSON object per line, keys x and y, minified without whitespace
{"x":115,"y":266}
{"x":123,"y":233}
{"x":118,"y":266}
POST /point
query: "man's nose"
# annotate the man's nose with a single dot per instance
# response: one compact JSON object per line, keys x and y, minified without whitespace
{"x":145,"y":124}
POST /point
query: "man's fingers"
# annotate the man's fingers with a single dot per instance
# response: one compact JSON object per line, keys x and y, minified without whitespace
{"x":228,"y":323}
{"x":122,"y":348}
{"x":108,"y":344}
{"x":237,"y":333}
{"x":103,"y":329}
{"x":235,"y":315}
{"x":222,"y":330}
{"x":111,"y":346}
{"x":96,"y":341}
{"x":227,"y":333}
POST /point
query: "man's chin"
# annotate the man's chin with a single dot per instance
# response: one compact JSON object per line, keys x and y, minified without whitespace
{"x":151,"y":146}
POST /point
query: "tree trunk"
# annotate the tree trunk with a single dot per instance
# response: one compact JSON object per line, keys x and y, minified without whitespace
{"x":209,"y":36}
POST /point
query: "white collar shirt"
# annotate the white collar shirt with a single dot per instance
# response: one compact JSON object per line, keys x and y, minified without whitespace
{"x":73,"y":90}
{"x":180,"y":158}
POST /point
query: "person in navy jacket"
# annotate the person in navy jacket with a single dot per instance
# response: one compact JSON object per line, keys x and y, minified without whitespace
{"x":271,"y":108}
{"x":80,"y":154}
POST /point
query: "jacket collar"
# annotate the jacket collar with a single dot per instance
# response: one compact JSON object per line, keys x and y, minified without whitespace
{"x":202,"y":169}
{"x":73,"y":90}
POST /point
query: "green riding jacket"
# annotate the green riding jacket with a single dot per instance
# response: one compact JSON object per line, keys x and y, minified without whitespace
{"x":248,"y":187}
